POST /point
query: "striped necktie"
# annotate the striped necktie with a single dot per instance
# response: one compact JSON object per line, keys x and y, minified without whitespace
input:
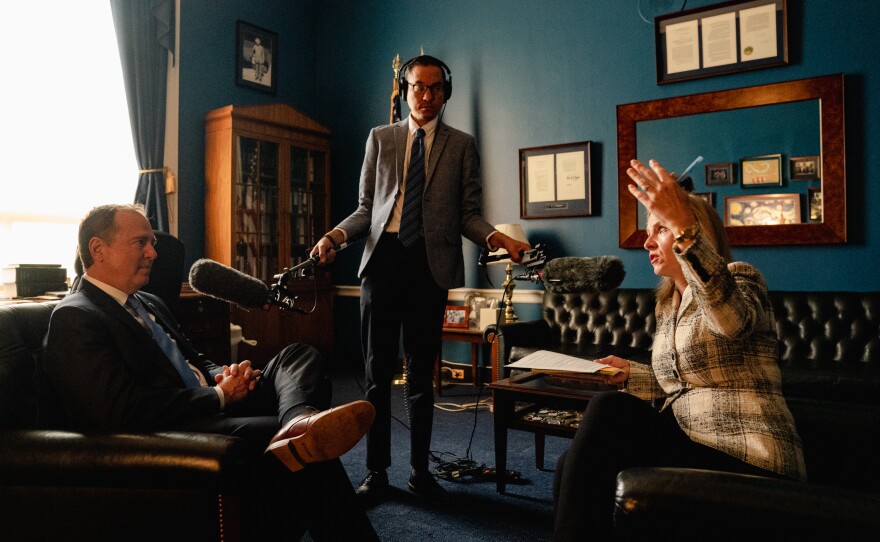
{"x":411,"y":217}
{"x":165,"y":343}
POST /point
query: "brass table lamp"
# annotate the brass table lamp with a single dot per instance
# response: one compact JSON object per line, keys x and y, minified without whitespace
{"x":516,"y":232}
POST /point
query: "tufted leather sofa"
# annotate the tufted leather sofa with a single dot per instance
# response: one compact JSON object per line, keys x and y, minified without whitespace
{"x":61,"y":485}
{"x":830,"y":362}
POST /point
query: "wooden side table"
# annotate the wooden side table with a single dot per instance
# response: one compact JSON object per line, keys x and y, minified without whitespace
{"x":470,"y":335}
{"x":517,"y":395}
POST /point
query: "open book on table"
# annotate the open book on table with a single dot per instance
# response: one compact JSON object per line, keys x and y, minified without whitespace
{"x":545,"y":361}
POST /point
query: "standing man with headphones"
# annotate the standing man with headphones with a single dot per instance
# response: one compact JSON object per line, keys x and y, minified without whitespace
{"x":420,"y":192}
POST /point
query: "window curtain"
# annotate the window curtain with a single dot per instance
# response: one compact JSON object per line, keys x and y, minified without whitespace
{"x":145,"y":35}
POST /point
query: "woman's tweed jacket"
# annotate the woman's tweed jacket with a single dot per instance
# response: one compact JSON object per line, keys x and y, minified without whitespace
{"x":715,"y":360}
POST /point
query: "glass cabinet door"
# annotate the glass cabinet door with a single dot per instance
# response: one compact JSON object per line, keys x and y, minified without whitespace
{"x":255,"y":221}
{"x":319,"y":192}
{"x":267,"y":201}
{"x":308,"y":180}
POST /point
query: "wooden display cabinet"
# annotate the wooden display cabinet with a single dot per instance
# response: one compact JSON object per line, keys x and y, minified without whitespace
{"x":267,"y":201}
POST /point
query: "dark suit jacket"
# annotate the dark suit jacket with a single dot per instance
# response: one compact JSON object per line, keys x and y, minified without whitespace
{"x":107,"y":373}
{"x":451,"y":205}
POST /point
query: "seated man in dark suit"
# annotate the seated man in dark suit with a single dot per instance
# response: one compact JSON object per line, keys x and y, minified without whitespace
{"x":116,"y":361}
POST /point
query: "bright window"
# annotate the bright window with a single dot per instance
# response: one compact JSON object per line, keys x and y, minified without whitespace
{"x":66,"y":143}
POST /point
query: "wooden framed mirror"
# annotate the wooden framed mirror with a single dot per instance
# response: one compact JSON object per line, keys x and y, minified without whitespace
{"x":822,"y":94}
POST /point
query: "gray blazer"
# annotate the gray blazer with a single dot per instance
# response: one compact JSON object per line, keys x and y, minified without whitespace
{"x":451,"y":205}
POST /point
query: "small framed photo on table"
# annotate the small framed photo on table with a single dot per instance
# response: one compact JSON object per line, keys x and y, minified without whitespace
{"x":805,"y":168}
{"x":456,"y":316}
{"x":761,"y":171}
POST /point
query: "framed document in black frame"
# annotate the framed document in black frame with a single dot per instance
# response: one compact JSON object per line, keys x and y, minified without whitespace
{"x":729,"y":37}
{"x":555,"y":181}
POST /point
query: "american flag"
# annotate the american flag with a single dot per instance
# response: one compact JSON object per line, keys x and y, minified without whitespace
{"x":395,"y":94}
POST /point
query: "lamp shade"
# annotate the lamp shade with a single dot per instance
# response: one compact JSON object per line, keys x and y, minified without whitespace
{"x":514,"y":231}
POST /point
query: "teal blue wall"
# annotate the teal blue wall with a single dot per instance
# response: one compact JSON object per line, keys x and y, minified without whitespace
{"x":207,"y":82}
{"x":525,"y":74}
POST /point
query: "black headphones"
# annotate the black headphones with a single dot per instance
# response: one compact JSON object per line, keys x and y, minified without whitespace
{"x":425,"y":60}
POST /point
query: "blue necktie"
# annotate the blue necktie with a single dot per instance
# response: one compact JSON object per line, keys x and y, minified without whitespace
{"x":165,"y":343}
{"x":411,"y":216}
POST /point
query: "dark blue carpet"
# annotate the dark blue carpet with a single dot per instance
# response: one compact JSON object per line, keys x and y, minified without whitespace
{"x":477,"y":512}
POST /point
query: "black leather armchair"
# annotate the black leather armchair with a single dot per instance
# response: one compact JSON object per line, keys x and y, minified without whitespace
{"x":710,"y":505}
{"x":168,"y":272}
{"x":57,"y":484}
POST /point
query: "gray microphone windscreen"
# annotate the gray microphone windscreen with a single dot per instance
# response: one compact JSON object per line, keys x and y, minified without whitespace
{"x":571,"y":275}
{"x":225,"y":283}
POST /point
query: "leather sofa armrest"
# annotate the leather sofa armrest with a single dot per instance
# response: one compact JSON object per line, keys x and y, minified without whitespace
{"x":724,"y":505}
{"x":532,"y":333}
{"x":153,"y":460}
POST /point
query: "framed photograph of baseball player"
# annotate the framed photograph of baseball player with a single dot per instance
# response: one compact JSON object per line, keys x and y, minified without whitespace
{"x":256,"y":52}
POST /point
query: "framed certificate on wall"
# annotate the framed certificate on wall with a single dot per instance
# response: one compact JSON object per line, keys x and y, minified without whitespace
{"x":555,"y":181}
{"x":729,"y":37}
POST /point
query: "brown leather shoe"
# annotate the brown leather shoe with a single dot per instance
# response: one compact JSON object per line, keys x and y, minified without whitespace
{"x":321,"y":436}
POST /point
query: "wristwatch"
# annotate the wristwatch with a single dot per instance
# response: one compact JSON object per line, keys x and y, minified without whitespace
{"x":332,"y":241}
{"x":689,"y":233}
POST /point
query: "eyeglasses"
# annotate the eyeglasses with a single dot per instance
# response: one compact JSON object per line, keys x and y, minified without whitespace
{"x":419,"y":89}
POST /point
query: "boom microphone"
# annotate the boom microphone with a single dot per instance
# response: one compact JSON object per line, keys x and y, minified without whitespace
{"x":571,"y":275}
{"x":304,"y":267}
{"x":231,"y":285}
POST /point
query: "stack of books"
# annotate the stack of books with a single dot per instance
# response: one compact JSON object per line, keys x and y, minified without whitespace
{"x":31,"y":280}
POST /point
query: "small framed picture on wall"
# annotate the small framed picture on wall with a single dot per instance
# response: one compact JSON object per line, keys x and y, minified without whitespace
{"x":256,"y":52}
{"x":804,"y":168}
{"x":762,"y":210}
{"x":761,"y":171}
{"x":814,"y":199}
{"x":708,"y":196}
{"x":719,"y":174}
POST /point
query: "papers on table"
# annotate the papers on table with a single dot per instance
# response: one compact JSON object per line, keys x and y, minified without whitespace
{"x":546,"y":361}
